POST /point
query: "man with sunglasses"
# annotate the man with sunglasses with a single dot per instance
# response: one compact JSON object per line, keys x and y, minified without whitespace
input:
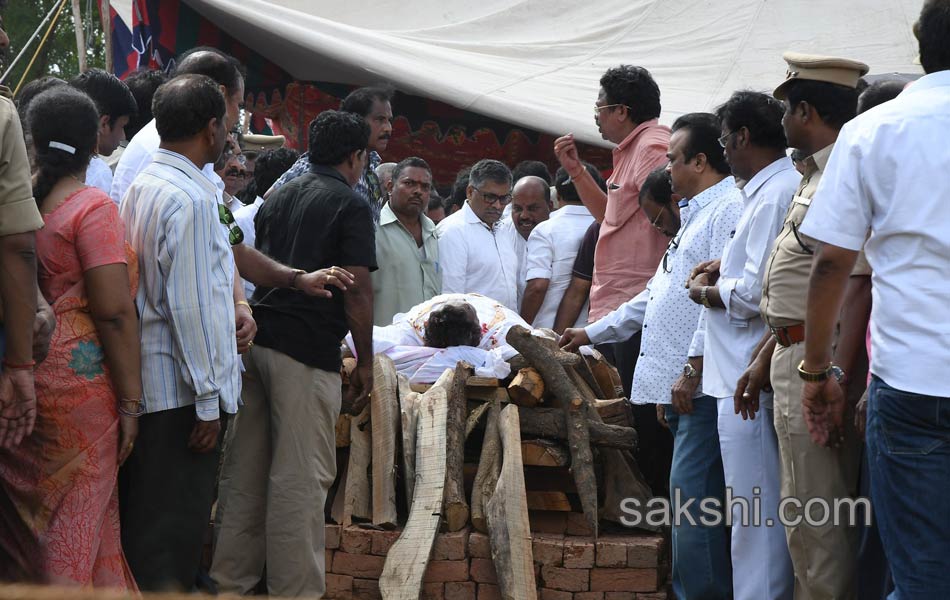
{"x":755,"y":148}
{"x":698,"y":173}
{"x":477,"y":251}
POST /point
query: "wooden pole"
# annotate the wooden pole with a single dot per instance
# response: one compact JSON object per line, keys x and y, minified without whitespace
{"x":105,"y":13}
{"x":80,"y":37}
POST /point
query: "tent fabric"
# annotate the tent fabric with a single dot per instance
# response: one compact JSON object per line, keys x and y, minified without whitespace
{"x":537,"y":63}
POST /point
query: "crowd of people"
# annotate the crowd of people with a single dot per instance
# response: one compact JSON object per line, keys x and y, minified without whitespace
{"x":175,"y":293}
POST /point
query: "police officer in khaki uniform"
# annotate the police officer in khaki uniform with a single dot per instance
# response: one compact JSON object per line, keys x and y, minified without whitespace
{"x":820,"y":95}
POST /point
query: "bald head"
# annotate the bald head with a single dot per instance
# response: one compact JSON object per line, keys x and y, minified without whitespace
{"x":225,"y":70}
{"x":530,"y":204}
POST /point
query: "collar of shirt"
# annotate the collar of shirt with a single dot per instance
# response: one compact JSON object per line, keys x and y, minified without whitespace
{"x":472,"y":219}
{"x":387,"y":216}
{"x":180,"y":162}
{"x":633,"y":135}
{"x":329,"y":172}
{"x":817,"y":161}
{"x":759,"y":179}
{"x":571,"y":209}
{"x":374,"y":160}
{"x":703,"y":198}
{"x":938,"y":79}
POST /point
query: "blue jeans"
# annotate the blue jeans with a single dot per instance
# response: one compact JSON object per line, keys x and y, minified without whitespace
{"x":701,"y":564}
{"x":908,"y":443}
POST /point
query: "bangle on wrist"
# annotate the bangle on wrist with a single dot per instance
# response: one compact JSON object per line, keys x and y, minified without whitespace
{"x":245,"y":303}
{"x":293,"y":278}
{"x":12,"y":366}
{"x":137,"y":411}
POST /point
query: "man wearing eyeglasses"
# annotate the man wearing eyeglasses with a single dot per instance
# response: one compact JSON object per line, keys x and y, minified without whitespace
{"x":477,"y":252}
{"x":754,"y":145}
{"x":698,"y":173}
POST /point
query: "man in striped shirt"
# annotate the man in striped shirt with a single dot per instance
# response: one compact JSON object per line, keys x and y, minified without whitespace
{"x":190,"y":367}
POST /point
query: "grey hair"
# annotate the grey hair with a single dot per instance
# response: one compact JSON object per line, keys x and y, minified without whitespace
{"x":487,"y":170}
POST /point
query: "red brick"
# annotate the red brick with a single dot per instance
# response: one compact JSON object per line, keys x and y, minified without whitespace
{"x":339,"y":586}
{"x":547,"y":521}
{"x":432,"y":591}
{"x":366,"y":589}
{"x":487,"y":591}
{"x":611,"y":553}
{"x":664,"y":595}
{"x":382,"y":541}
{"x":451,"y":546}
{"x":483,"y":571}
{"x":466,"y":590}
{"x":569,"y":580}
{"x":549,"y":594}
{"x":355,"y":540}
{"x":547,"y":549}
{"x":332,"y":537}
{"x":578,"y":553}
{"x":478,"y":545}
{"x":589,"y":596}
{"x":577,"y":524}
{"x":624,"y":580}
{"x":328,"y":559}
{"x":645,"y":552}
{"x":620,"y":596}
{"x":358,"y":565}
{"x":446,"y":570}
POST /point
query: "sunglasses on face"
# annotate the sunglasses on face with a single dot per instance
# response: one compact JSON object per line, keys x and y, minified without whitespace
{"x":235,"y":235}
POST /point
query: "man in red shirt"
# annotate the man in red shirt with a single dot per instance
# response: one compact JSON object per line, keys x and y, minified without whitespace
{"x":629,"y":247}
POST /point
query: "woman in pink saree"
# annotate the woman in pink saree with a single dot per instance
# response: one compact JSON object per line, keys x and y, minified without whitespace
{"x":61,"y":480}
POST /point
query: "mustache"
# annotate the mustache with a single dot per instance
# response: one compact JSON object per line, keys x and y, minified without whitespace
{"x":232,"y":172}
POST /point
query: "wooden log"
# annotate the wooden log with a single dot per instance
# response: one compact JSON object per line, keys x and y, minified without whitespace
{"x":349,"y":365}
{"x":336,"y":507}
{"x":356,"y":499}
{"x":606,"y":375}
{"x":477,"y":393}
{"x":475,"y":381}
{"x":615,"y":412}
{"x":541,"y":356}
{"x":406,"y":561}
{"x":455,"y":506}
{"x":544,"y":453}
{"x":527,"y":388}
{"x":384,"y":416}
{"x":474,"y":417}
{"x":409,"y":415}
{"x":509,"y":530}
{"x":489,"y":467}
{"x":565,"y":359}
{"x":550,"y":423}
{"x":557,"y":501}
{"x":343,"y":430}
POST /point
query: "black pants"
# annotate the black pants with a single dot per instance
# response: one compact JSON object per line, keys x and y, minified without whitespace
{"x":655,"y":449}
{"x":165,"y":497}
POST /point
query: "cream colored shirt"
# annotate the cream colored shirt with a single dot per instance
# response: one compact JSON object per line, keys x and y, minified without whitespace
{"x":406,"y":277}
{"x":18,"y":210}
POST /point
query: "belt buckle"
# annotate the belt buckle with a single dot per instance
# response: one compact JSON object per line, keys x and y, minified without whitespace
{"x":781,"y":336}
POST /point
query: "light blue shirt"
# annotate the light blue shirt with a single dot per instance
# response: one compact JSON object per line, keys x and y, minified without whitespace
{"x":185,"y":296}
{"x":664,"y":311}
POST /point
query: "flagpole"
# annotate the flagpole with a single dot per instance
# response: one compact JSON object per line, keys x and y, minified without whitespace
{"x":80,"y":36}
{"x":106,"y":14}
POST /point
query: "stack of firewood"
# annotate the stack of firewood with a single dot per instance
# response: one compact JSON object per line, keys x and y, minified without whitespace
{"x":554,"y":413}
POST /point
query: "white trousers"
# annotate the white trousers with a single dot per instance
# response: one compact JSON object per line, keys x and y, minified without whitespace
{"x":761,"y":565}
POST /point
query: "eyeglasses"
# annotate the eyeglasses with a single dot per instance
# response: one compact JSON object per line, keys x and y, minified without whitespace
{"x":235,"y":235}
{"x":672,"y":246}
{"x":597,"y":109}
{"x":723,"y":140}
{"x":656,"y":220}
{"x":495,"y":198}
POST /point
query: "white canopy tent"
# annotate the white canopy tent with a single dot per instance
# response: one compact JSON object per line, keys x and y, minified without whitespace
{"x":536,"y":63}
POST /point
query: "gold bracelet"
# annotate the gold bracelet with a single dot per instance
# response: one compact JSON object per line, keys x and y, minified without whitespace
{"x":245,"y":303}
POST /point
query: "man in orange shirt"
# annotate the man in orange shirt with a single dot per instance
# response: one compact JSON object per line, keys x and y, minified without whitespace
{"x":629,"y":248}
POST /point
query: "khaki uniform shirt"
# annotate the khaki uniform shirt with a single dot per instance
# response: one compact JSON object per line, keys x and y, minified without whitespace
{"x":788,"y":270}
{"x":406,"y":277}
{"x":18,"y":210}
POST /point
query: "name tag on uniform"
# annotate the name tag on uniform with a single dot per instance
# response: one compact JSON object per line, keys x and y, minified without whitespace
{"x":802,"y":200}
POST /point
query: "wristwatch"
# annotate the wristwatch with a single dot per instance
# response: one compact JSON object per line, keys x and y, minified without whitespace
{"x":832,"y":370}
{"x":703,"y":298}
{"x":690,"y":372}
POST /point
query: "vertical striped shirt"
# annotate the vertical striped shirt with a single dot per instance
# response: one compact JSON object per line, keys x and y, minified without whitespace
{"x":185,"y":296}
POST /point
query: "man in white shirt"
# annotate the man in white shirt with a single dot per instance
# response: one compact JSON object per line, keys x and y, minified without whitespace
{"x":475,"y":249}
{"x":552,"y":248}
{"x":755,"y":147}
{"x":699,"y":173}
{"x":116,"y":105}
{"x":887,"y":175}
{"x":530,"y":205}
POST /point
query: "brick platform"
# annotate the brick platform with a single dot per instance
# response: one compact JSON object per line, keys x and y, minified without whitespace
{"x":616,"y":567}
